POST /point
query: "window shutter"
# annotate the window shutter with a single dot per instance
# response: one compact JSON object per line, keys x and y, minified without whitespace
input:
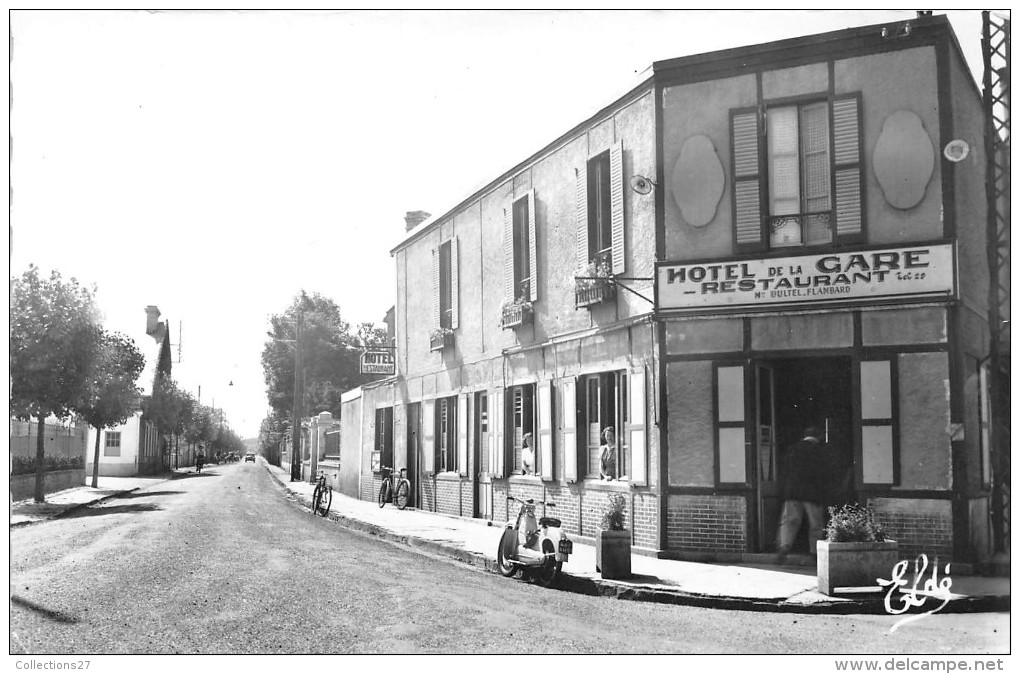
{"x":569,"y":408}
{"x":454,"y":284}
{"x":497,"y":414}
{"x":462,"y":434}
{"x":508,"y":252}
{"x":747,"y":214}
{"x":545,"y":430}
{"x":846,"y":136}
{"x":532,"y":249}
{"x":435,"y":289}
{"x":582,"y":217}
{"x":637,"y":442}
{"x":616,"y":197}
{"x":878,"y":436}
{"x":428,"y":447}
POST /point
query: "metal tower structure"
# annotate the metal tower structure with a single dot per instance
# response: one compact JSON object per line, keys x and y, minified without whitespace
{"x":995,"y":51}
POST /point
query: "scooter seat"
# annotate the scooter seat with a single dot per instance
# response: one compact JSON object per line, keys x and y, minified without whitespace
{"x":549,"y":522}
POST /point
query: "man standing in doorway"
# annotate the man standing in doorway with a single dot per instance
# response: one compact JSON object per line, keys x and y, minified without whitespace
{"x":805,"y":491}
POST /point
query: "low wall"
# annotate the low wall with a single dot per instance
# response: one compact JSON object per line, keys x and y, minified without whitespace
{"x":23,"y":486}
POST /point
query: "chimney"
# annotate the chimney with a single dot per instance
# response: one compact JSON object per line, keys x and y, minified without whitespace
{"x":415,"y":218}
{"x":151,"y":319}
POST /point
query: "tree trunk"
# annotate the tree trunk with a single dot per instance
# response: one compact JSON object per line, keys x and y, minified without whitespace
{"x":40,"y":457}
{"x":95,"y":461}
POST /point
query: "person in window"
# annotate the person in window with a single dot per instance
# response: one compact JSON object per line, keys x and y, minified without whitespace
{"x":607,"y":460}
{"x":805,"y":491}
{"x":527,"y":456}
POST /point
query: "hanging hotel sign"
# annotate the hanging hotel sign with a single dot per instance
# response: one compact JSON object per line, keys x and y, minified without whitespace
{"x":907,"y":272}
{"x":379,"y":360}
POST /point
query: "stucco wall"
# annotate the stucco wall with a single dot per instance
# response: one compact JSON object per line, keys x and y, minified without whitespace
{"x":123,"y":465}
{"x":350,"y":446}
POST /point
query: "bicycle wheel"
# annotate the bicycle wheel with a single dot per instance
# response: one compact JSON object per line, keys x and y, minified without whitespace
{"x":403,"y":493}
{"x":547,"y":574}
{"x":384,"y":494}
{"x":506,"y":548}
{"x":325,"y":500}
{"x":316,"y":497}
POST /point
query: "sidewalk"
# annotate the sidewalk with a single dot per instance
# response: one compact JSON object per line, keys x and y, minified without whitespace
{"x":757,"y":587}
{"x":29,"y":512}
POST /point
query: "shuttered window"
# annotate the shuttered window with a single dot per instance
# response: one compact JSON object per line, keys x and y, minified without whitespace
{"x":812,"y":178}
{"x":384,"y":435}
{"x":519,"y":250}
{"x":600,"y":213}
{"x":522,"y":422}
{"x":445,"y":285}
{"x":446,"y":434}
{"x":602,"y":402}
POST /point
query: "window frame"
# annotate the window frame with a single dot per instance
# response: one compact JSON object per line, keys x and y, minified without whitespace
{"x":445,"y":446}
{"x":445,"y":284}
{"x":109,"y":446}
{"x":527,"y":423}
{"x":384,"y":436}
{"x":614,"y":409}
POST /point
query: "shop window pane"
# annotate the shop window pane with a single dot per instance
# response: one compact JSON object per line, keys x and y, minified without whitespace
{"x":731,"y":455}
{"x":731,"y":393}
{"x":876,"y":390}
{"x":877,"y":454}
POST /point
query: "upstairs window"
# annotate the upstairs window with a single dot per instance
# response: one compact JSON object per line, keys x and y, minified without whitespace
{"x":600,"y":226}
{"x":797,"y":174}
{"x":445,"y":282}
{"x":519,"y":252}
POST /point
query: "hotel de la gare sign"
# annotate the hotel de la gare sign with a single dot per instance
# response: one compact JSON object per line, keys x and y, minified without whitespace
{"x":915,"y":272}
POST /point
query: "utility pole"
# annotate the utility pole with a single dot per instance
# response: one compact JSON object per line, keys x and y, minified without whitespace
{"x":299,"y":385}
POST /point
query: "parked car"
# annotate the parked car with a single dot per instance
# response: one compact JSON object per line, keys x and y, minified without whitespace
{"x":250,"y":456}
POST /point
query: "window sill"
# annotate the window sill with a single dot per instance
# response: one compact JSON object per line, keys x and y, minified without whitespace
{"x":526,"y":479}
{"x":448,"y":475}
{"x":606,"y":485}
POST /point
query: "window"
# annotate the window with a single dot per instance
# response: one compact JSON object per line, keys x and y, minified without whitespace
{"x":384,"y":435}
{"x":446,"y":434}
{"x":811,"y":180}
{"x":445,"y":283}
{"x":482,"y":419}
{"x":600,"y":226}
{"x":603,"y":402}
{"x":112,"y":445}
{"x":522,"y":420}
{"x":519,"y":252}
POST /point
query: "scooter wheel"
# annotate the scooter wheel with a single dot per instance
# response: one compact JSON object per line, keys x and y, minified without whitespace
{"x":547,"y":574}
{"x":506,"y":546}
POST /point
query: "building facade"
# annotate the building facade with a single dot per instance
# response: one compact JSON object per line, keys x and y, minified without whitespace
{"x":747,"y":242}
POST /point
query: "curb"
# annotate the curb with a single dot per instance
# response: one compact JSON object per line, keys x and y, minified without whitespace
{"x":608,"y":588}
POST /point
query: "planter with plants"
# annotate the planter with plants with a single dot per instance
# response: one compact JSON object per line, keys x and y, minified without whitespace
{"x":612,"y":543}
{"x":440,"y":338}
{"x":515,"y":314}
{"x":595,"y":286}
{"x":856,"y":551}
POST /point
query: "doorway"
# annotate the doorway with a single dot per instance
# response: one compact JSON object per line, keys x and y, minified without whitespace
{"x":790,"y":395}
{"x":413,"y":450}
{"x":482,"y":458}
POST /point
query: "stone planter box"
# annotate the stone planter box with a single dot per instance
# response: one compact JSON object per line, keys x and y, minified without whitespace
{"x":612,"y":554}
{"x":854,"y":564}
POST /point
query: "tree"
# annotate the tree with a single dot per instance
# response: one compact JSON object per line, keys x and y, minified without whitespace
{"x":112,"y":395}
{"x":330,"y":351}
{"x":370,"y":335}
{"x":54,"y":332}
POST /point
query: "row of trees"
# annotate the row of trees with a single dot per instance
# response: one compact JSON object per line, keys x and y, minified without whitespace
{"x":65,"y":363}
{"x":331,"y":354}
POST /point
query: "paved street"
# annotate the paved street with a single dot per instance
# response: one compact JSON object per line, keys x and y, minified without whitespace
{"x":223,"y":562}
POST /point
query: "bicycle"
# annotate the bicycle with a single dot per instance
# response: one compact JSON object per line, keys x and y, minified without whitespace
{"x":322,"y":497}
{"x":394,"y":490}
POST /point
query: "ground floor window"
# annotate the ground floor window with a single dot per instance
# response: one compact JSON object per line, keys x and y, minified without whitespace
{"x":384,"y":435}
{"x":603,"y":404}
{"x":112,"y":445}
{"x":522,"y":416}
{"x":446,"y":434}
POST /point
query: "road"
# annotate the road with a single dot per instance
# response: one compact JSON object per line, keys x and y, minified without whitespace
{"x":224,"y":562}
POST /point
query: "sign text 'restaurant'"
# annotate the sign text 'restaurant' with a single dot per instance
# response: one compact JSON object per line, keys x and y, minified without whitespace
{"x":908,"y":272}
{"x":380,"y":361}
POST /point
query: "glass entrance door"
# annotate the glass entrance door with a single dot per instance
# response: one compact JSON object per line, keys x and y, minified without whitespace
{"x":766,"y":457}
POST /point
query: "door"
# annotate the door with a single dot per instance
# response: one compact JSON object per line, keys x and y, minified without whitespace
{"x":483,"y":458}
{"x":414,"y":450}
{"x":766,"y":457}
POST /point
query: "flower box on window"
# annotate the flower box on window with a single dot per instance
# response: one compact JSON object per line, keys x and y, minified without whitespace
{"x":516,"y":314}
{"x":595,"y":284}
{"x":440,"y":338}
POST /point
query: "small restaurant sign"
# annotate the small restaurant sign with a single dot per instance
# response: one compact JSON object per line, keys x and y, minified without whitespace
{"x":379,"y":361}
{"x":908,"y":272}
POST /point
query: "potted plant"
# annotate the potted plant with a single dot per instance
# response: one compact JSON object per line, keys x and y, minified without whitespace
{"x":612,"y":543}
{"x":440,"y":338}
{"x":515,"y":313}
{"x":855,"y":552}
{"x":595,"y":285}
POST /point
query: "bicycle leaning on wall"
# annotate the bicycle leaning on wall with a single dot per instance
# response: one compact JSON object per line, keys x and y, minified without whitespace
{"x":322,"y":497}
{"x":394,"y":490}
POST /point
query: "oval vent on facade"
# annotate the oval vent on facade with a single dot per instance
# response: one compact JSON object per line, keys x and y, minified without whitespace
{"x":698,"y":181}
{"x":904,"y":159}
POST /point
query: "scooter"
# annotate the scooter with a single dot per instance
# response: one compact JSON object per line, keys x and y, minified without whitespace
{"x":535,"y":547}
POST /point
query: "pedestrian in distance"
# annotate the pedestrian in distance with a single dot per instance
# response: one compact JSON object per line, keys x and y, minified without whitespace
{"x":805,"y":491}
{"x":607,"y":458}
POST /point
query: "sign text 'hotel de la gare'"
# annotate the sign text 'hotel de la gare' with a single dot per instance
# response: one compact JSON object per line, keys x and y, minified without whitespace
{"x":908,"y":272}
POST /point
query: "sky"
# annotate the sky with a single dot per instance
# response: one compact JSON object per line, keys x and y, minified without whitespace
{"x":216,"y":163}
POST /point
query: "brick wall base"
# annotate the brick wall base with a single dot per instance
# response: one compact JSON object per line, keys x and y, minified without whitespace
{"x":919,"y":526}
{"x":706,"y":523}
